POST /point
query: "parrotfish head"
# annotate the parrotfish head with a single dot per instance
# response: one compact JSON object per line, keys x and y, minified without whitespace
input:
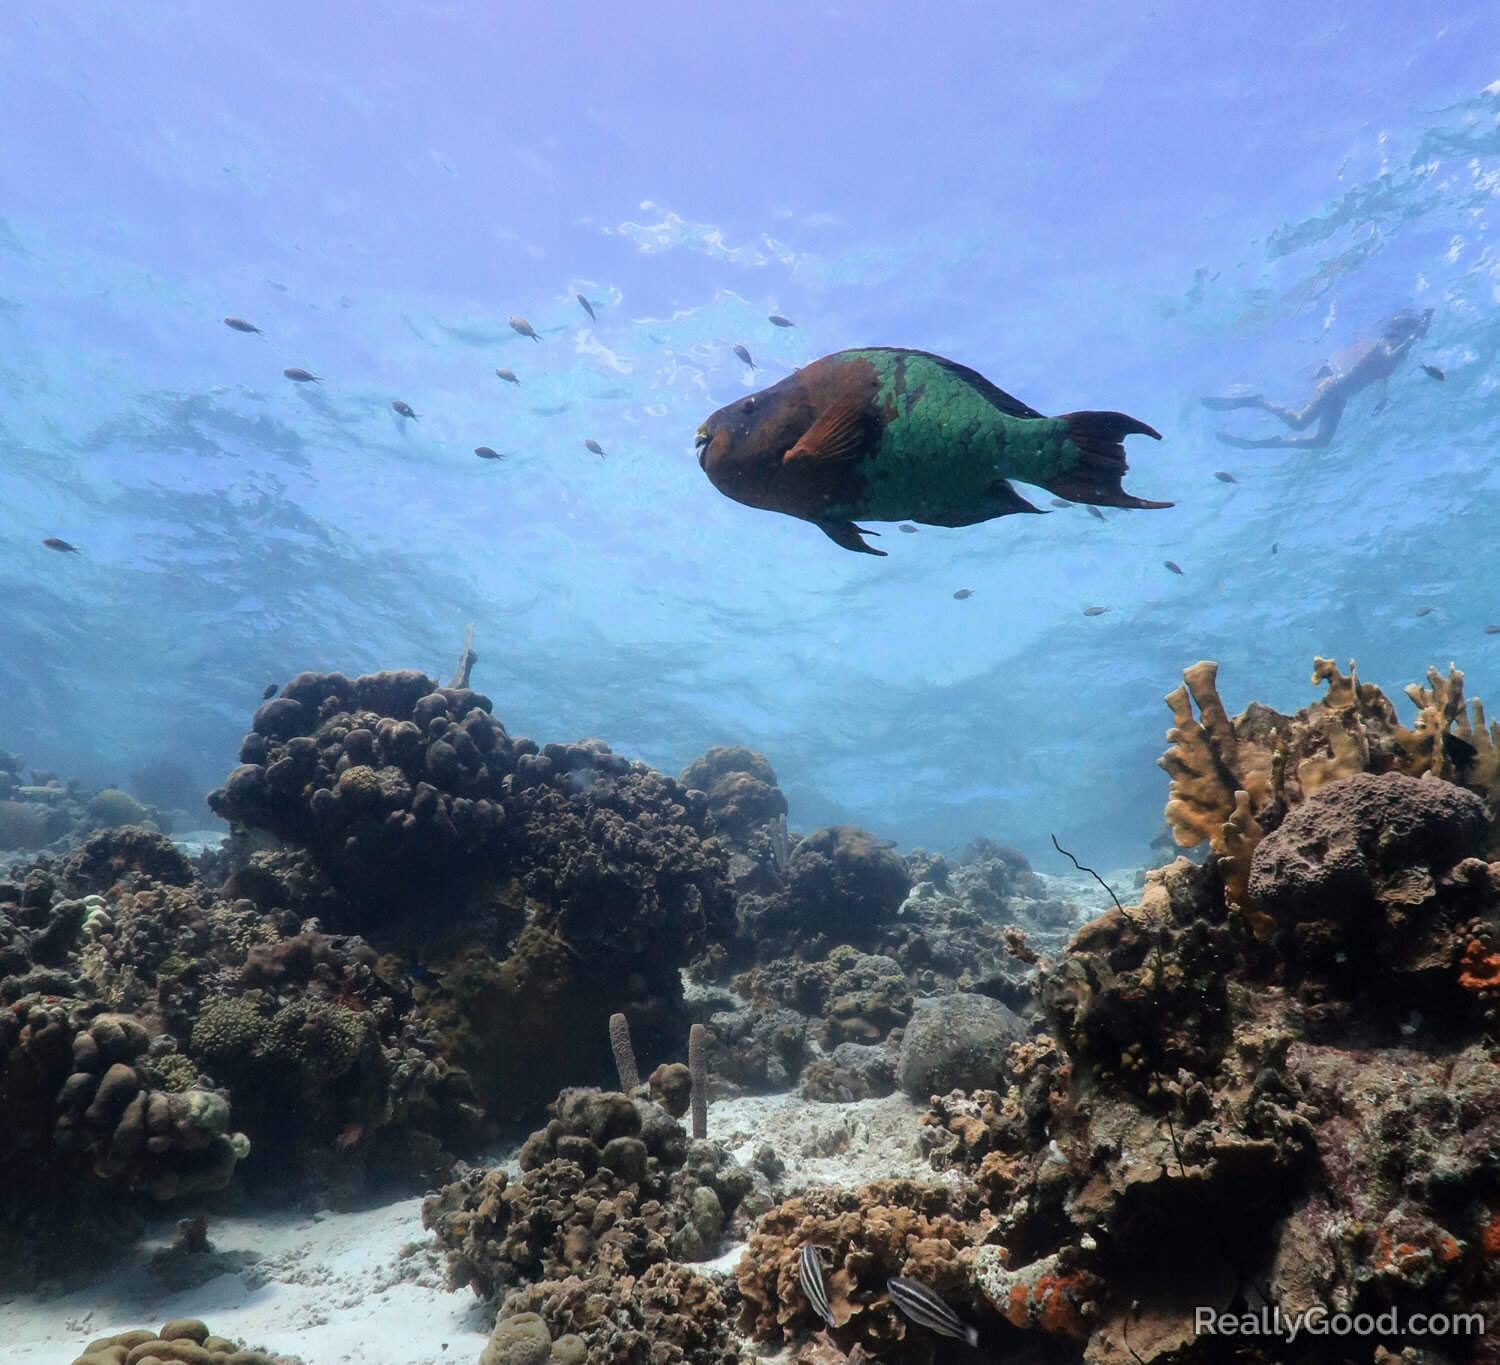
{"x":741,"y":446}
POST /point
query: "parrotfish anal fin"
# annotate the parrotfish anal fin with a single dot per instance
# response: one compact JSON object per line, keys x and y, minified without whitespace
{"x":1095,"y":479}
{"x":847,"y":534}
{"x":839,"y":435}
{"x":1000,"y":500}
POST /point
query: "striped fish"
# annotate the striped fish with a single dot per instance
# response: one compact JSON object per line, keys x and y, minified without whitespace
{"x":810,"y":1272}
{"x":922,"y":1306}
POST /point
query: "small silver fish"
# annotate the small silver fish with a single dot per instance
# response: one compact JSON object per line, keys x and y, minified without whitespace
{"x":963,"y":593}
{"x":60,"y":545}
{"x":488,"y":453}
{"x":1061,"y":502}
{"x":596,"y":448}
{"x":744,"y":355}
{"x":586,"y":306}
{"x":509,"y":376}
{"x":908,"y":528}
{"x":1095,"y":512}
{"x":1095,"y":611}
{"x":1224,"y":476}
{"x":240,"y":325}
{"x":917,"y":1302}
{"x":1424,"y":611}
{"x":404,"y":409}
{"x":1492,"y":630}
{"x":810,"y":1272}
{"x":519,"y":324}
{"x":1172,"y":566}
{"x":300,"y":376}
{"x":776,"y":320}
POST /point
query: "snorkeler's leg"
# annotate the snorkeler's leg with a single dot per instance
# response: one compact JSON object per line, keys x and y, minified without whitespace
{"x":1328,"y":424}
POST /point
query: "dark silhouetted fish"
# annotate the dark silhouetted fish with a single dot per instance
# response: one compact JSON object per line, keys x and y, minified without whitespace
{"x":300,"y":376}
{"x":963,"y":594}
{"x":1099,"y":516}
{"x":509,"y":376}
{"x":1275,"y":548}
{"x":1172,"y":565}
{"x":1224,"y":476}
{"x":595,"y":447}
{"x":1432,"y":372}
{"x":1424,"y":611}
{"x":776,"y":320}
{"x":908,"y":528}
{"x":404,"y":409}
{"x":1060,"y":502}
{"x":917,"y":1302}
{"x":1492,"y":630}
{"x":271,"y":690}
{"x":1095,"y":611}
{"x":1459,"y":751}
{"x":744,"y":355}
{"x":896,"y":435}
{"x":61,"y":546}
{"x":488,"y":453}
{"x":519,"y":324}
{"x":810,"y":1272}
{"x":240,"y":325}
{"x":586,"y":306}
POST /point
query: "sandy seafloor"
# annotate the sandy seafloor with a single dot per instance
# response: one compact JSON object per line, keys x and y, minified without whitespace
{"x":369,"y":1287}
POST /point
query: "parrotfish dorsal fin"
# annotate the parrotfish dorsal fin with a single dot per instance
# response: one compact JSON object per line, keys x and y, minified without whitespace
{"x":1007,"y":403}
{"x":839,"y":434}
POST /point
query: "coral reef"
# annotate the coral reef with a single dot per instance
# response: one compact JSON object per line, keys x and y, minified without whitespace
{"x":1235,"y":780}
{"x":841,"y":885}
{"x":670,"y":1315}
{"x":864,"y":1237}
{"x":611,"y":1186}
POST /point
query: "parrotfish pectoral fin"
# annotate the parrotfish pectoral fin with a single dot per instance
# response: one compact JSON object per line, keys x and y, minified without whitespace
{"x":1095,"y":479}
{"x":839,"y":434}
{"x":847,"y":535}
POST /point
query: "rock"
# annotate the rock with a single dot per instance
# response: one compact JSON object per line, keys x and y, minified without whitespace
{"x":955,"y":1042}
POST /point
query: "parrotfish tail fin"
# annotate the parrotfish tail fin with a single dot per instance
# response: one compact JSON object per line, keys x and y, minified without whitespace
{"x":1095,"y":478}
{"x":847,"y":534}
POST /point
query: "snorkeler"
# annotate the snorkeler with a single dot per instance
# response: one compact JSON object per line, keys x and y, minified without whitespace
{"x":1372,"y":363}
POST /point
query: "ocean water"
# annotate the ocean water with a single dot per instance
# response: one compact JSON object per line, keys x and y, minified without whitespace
{"x":1096,"y":205}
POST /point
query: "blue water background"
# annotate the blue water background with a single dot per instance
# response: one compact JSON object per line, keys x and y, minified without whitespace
{"x":1095,"y":204}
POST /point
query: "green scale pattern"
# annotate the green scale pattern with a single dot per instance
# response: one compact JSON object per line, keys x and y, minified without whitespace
{"x":947,"y":443}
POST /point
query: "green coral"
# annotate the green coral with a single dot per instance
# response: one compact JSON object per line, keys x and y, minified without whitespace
{"x":320,"y":1039}
{"x":226,"y":1029}
{"x":112,"y":808}
{"x":176,"y":1071}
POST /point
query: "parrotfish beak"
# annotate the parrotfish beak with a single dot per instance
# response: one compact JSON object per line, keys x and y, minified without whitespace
{"x":700,"y":444}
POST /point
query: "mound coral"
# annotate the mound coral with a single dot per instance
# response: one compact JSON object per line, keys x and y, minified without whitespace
{"x":181,"y":1340}
{"x":611,"y":1186}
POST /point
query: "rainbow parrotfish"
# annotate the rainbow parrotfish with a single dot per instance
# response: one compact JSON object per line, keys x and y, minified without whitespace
{"x":883,"y":434}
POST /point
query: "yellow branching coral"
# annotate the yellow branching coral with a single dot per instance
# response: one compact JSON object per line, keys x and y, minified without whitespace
{"x":1206,"y":762}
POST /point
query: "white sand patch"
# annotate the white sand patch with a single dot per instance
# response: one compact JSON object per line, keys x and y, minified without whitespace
{"x":331,"y":1289}
{"x":825,"y":1144}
